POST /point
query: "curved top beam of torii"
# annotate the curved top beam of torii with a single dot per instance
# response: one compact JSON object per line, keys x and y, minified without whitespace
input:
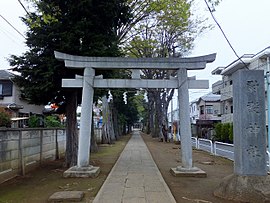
{"x":189,"y":63}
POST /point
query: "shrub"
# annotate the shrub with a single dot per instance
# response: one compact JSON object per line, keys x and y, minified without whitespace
{"x":34,"y":121}
{"x":5,"y":118}
{"x":218,"y":130}
{"x":52,"y":121}
{"x":231,"y":133}
{"x":224,"y":132}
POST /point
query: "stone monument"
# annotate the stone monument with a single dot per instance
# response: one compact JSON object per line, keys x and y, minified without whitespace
{"x":250,"y":182}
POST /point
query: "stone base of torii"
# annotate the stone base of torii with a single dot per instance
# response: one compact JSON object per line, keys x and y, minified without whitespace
{"x":89,"y":81}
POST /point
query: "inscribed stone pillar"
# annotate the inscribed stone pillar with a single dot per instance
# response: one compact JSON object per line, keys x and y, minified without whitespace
{"x":184,"y":117}
{"x":86,"y":118}
{"x":249,"y":123}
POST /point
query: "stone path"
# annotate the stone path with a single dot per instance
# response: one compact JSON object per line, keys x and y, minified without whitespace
{"x":135,"y":178}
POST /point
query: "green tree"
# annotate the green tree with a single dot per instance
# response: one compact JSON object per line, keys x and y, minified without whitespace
{"x":86,"y":27}
{"x":160,"y":28}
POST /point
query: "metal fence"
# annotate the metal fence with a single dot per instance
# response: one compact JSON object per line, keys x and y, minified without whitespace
{"x":205,"y":144}
{"x":224,"y":149}
{"x":219,"y":148}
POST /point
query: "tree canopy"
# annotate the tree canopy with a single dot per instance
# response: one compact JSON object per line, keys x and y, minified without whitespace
{"x":85,"y":27}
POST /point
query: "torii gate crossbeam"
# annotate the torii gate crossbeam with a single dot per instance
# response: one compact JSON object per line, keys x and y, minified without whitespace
{"x":89,"y":82}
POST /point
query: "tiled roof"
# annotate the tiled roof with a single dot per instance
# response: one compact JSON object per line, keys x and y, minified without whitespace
{"x":211,"y":97}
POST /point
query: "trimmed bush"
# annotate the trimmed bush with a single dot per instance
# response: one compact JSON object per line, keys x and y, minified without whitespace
{"x":224,"y":132}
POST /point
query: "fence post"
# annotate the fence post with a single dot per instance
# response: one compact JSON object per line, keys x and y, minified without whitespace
{"x":21,"y":156}
{"x":211,"y":145}
{"x":215,"y":148}
{"x":56,"y":145}
{"x":41,"y":147}
{"x":268,"y":156}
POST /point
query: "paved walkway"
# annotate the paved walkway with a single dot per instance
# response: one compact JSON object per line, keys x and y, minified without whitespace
{"x":135,"y":178}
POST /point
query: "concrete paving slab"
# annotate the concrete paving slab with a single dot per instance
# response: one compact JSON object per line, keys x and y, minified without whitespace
{"x":134,"y":192}
{"x":66,"y":196}
{"x":134,"y":200}
{"x":139,"y":178}
{"x":157,"y":197}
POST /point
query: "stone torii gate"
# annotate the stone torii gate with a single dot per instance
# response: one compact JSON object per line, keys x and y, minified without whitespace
{"x":88,"y":82}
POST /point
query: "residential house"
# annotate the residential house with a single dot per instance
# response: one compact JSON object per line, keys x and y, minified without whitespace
{"x":259,"y":61}
{"x":10,"y":98}
{"x":209,"y":112}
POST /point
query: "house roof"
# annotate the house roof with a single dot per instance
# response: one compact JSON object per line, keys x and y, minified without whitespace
{"x":237,"y":64}
{"x":210,"y":97}
{"x":244,"y":61}
{"x":5,"y":75}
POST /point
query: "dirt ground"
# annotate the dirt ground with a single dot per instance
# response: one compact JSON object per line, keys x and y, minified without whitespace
{"x":37,"y":186}
{"x":189,"y":189}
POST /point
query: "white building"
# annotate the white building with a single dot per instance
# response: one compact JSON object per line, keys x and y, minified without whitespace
{"x":259,"y":61}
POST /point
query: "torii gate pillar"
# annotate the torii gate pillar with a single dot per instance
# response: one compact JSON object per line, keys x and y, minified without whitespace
{"x":183,"y":101}
{"x":186,"y":169}
{"x":83,"y":169}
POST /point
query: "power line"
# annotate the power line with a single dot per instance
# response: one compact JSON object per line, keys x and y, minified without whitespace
{"x":9,"y":35}
{"x":211,"y":12}
{"x":23,"y":7}
{"x":12,"y":26}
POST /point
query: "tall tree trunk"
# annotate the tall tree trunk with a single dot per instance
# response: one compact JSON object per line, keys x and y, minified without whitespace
{"x":151,"y":103}
{"x":108,"y":135}
{"x":105,"y":137}
{"x":94,"y":146}
{"x":115,"y":123}
{"x":159,"y":115}
{"x":71,"y":129}
{"x":111,"y":124}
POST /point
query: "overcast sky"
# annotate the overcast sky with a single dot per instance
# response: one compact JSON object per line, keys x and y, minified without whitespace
{"x":245,"y":22}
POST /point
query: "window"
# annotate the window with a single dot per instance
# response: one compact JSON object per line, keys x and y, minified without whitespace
{"x":201,"y":109}
{"x":6,"y":88}
{"x":209,"y":109}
